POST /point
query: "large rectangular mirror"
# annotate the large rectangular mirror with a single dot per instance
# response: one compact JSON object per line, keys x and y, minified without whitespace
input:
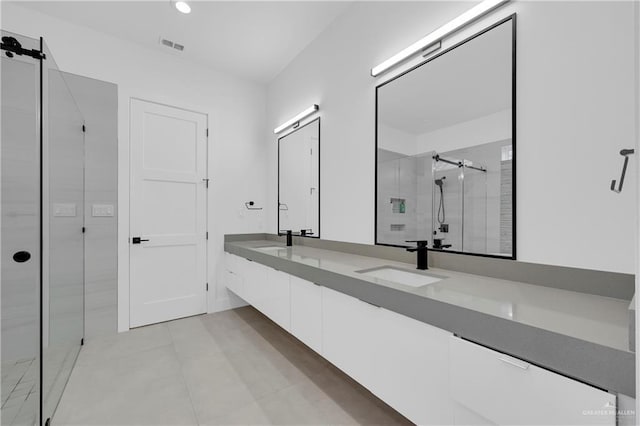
{"x":299,"y":180}
{"x":445,"y":144}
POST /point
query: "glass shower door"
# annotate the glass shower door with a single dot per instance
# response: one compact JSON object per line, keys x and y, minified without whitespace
{"x":20,"y":233}
{"x":63,"y":288}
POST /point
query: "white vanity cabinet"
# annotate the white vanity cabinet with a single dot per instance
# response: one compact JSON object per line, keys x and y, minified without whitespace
{"x":233,"y":274}
{"x":411,"y":364}
{"x":425,"y":373}
{"x":276,"y":298}
{"x":401,"y":360}
{"x":348,"y":335}
{"x":306,"y":312}
{"x":267,"y":290}
{"x":501,"y":390}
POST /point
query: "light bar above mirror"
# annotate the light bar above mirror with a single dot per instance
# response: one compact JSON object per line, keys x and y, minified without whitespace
{"x":434,"y":37}
{"x":307,"y":112}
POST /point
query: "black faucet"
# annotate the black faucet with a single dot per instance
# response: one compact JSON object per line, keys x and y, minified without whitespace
{"x":289,"y":235}
{"x":423,"y":253}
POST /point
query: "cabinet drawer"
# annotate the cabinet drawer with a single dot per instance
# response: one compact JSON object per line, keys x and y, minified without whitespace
{"x":233,"y":283}
{"x":508,"y":391}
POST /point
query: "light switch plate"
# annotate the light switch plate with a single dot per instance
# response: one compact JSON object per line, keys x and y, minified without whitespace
{"x":102,"y":210}
{"x":64,"y":210}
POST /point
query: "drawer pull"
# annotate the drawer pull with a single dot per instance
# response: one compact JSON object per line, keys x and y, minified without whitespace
{"x":369,"y":303}
{"x":519,"y":364}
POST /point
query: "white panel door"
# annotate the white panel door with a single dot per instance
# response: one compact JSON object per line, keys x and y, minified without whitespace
{"x":168,"y":213}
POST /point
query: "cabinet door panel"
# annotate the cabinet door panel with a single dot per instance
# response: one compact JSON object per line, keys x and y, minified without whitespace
{"x":348,"y":329}
{"x":412,"y":361}
{"x":276,"y":298}
{"x":306,"y":312}
{"x":255,"y":281}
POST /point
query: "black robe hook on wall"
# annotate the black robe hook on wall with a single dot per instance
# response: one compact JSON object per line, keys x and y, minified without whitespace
{"x":625,"y":153}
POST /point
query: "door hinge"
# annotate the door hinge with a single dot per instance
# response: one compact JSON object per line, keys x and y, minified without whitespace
{"x":206,"y":235}
{"x":206,"y":182}
{"x":84,"y":229}
{"x":207,"y":286}
{"x":82,"y":342}
{"x":84,"y":128}
{"x":207,"y":132}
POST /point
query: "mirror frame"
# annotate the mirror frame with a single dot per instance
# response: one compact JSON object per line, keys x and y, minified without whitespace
{"x":316,"y":235}
{"x":511,"y":18}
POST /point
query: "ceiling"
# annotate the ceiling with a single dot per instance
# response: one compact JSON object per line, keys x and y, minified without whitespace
{"x":250,"y":39}
{"x":469,"y":82}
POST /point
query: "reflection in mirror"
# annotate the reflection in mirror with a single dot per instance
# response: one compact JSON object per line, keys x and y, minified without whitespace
{"x":299,"y":180}
{"x":445,"y":147}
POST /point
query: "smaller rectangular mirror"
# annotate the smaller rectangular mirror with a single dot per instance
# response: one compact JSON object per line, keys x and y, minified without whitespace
{"x":299,"y":180}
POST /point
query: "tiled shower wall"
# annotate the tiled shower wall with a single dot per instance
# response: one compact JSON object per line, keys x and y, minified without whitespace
{"x":98,"y":101}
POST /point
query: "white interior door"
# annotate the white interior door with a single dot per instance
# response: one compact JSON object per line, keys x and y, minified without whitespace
{"x":168,"y":213}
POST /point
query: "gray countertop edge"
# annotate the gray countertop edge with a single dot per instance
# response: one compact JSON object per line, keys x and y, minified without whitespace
{"x":600,"y":366}
{"x":618,"y":285}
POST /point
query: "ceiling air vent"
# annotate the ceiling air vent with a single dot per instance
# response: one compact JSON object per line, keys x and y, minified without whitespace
{"x":171,"y":44}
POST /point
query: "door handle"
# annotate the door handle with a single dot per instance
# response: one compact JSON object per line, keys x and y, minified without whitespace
{"x":516,"y":363}
{"x":137,"y":240}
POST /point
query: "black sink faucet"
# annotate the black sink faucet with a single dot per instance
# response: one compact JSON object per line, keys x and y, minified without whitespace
{"x":289,"y":235}
{"x":423,"y":253}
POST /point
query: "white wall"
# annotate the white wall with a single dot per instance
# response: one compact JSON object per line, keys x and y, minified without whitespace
{"x":575,"y":111}
{"x":236,"y":110}
{"x":490,"y":128}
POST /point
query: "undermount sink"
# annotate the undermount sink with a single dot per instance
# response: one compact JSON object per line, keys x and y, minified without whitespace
{"x":271,"y":248}
{"x":400,"y":276}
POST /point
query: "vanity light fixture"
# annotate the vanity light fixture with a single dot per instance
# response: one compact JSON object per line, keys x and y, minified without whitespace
{"x":307,"y":112}
{"x":183,"y":7}
{"x":436,"y":36}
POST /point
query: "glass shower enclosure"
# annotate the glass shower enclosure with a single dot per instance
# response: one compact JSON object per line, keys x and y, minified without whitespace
{"x":42,"y":240}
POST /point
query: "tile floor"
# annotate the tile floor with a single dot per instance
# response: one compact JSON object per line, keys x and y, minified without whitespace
{"x":19,"y":392}
{"x":232,"y":367}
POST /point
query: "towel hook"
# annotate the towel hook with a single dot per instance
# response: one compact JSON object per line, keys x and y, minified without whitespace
{"x":625,"y":153}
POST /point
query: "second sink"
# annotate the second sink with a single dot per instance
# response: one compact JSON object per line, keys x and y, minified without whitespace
{"x":401,"y":276}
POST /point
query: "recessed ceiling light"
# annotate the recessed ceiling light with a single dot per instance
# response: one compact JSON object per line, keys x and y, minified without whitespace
{"x":183,"y":7}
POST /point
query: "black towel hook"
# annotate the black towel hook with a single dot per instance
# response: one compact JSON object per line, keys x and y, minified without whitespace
{"x":625,"y":153}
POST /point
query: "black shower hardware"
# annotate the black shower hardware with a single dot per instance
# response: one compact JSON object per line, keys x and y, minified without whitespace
{"x":441,"y":217}
{"x":306,"y":232}
{"x":13,"y":46}
{"x":625,"y":153}
{"x":249,"y":205}
{"x":422,"y":251}
{"x":283,"y":206}
{"x":458,"y":163}
{"x":437,"y":244}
